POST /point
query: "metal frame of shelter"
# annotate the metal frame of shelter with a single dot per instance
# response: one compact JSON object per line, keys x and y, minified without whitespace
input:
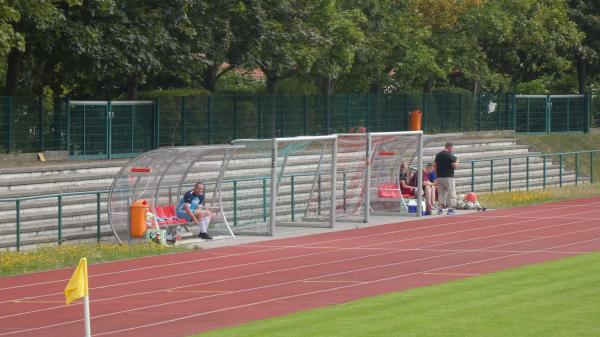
{"x":159,"y":175}
{"x":373,"y":149}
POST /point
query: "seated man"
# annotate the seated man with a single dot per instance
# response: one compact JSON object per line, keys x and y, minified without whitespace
{"x":427,"y":186}
{"x":191,"y":207}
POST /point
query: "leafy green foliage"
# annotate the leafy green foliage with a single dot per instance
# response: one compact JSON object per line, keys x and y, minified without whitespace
{"x":110,"y":48}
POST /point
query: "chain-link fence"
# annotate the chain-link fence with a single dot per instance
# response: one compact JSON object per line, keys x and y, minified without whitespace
{"x":107,"y":129}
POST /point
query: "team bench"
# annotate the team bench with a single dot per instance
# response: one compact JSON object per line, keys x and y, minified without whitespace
{"x":166,"y":218}
{"x":390,"y":198}
{"x":391,"y":191}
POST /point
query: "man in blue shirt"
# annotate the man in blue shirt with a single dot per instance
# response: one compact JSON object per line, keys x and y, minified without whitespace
{"x":191,"y":207}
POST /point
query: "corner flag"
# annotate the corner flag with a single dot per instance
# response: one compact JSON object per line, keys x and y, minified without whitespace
{"x":78,"y":284}
{"x":78,"y":288}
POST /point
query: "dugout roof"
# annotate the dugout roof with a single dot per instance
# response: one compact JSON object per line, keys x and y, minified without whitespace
{"x":162,"y":176}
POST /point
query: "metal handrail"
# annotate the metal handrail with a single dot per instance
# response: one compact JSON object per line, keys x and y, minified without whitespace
{"x":544,"y":156}
{"x":265,"y":179}
{"x":98,"y":193}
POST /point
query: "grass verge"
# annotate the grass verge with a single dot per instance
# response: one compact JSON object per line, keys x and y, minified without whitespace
{"x":553,"y":299}
{"x":521,"y":198}
{"x":68,"y":255}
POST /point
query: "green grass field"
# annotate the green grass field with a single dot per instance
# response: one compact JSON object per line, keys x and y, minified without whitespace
{"x":553,"y":299}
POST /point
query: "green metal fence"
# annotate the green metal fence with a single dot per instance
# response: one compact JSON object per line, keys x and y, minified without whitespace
{"x":108,"y":129}
{"x":583,"y":164}
{"x":595,"y":111}
{"x":551,"y":113}
{"x":30,"y":124}
{"x":18,"y":202}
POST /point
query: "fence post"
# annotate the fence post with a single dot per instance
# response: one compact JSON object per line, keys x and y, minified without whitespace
{"x":156,"y":123}
{"x":292,"y":206}
{"x":68,"y":126}
{"x":587,"y":100}
{"x":544,"y":173}
{"x":460,"y":112}
{"x":305,"y":113}
{"x":109,"y":114}
{"x":60,"y":219}
{"x":98,"y":216}
{"x":576,"y":168}
{"x":259,"y":117}
{"x":492,"y":175}
{"x":560,"y":165}
{"x":480,"y":127}
{"x":527,"y":173}
{"x":183,"y":119}
{"x":344,"y":191}
{"x":131,"y":129}
{"x":18,"y":210}
{"x":548,"y":114}
{"x":210,"y":119}
{"x":264,"y":195}
{"x":235,"y":116}
{"x":591,"y":167}
{"x":368,"y":119}
{"x":509,"y":174}
{"x":327,"y":116}
{"x":348,"y":108}
{"x":235,"y":203}
{"x":514,"y":111}
{"x":472,"y":176}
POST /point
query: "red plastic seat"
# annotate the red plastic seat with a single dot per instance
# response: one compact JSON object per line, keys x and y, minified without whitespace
{"x":388,"y":190}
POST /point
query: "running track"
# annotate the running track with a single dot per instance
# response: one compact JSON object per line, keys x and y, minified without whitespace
{"x":207,"y":289}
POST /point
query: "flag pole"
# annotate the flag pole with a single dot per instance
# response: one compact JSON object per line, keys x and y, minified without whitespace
{"x":86,"y":315}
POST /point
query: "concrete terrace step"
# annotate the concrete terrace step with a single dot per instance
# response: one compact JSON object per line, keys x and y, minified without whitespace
{"x":62,"y":182}
{"x":52,"y":168}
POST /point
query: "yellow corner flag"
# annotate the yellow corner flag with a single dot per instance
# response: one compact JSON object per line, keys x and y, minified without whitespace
{"x":78,"y":284}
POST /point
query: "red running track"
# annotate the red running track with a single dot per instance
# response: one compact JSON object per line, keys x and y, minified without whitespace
{"x":201,"y":290}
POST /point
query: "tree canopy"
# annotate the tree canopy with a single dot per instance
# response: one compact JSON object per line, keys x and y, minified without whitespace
{"x":114,"y":48}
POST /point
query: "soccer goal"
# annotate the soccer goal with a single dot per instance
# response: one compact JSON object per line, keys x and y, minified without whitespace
{"x":301,"y":179}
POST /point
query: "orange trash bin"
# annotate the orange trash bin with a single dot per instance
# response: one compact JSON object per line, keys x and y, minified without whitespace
{"x":137,"y":218}
{"x":415,"y":120}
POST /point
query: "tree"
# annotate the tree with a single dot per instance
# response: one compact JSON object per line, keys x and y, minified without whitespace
{"x":586,"y":14}
{"x":342,"y":29}
{"x":289,"y":39}
{"x":30,"y":21}
{"x":525,"y":39}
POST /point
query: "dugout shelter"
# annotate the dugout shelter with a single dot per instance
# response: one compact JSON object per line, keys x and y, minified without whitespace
{"x":162,"y":176}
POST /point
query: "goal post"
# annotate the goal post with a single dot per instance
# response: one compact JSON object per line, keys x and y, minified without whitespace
{"x":301,"y":172}
{"x":318,"y":154}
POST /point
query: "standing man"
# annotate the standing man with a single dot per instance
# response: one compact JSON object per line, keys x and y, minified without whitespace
{"x":445,"y":164}
{"x":191,"y":207}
